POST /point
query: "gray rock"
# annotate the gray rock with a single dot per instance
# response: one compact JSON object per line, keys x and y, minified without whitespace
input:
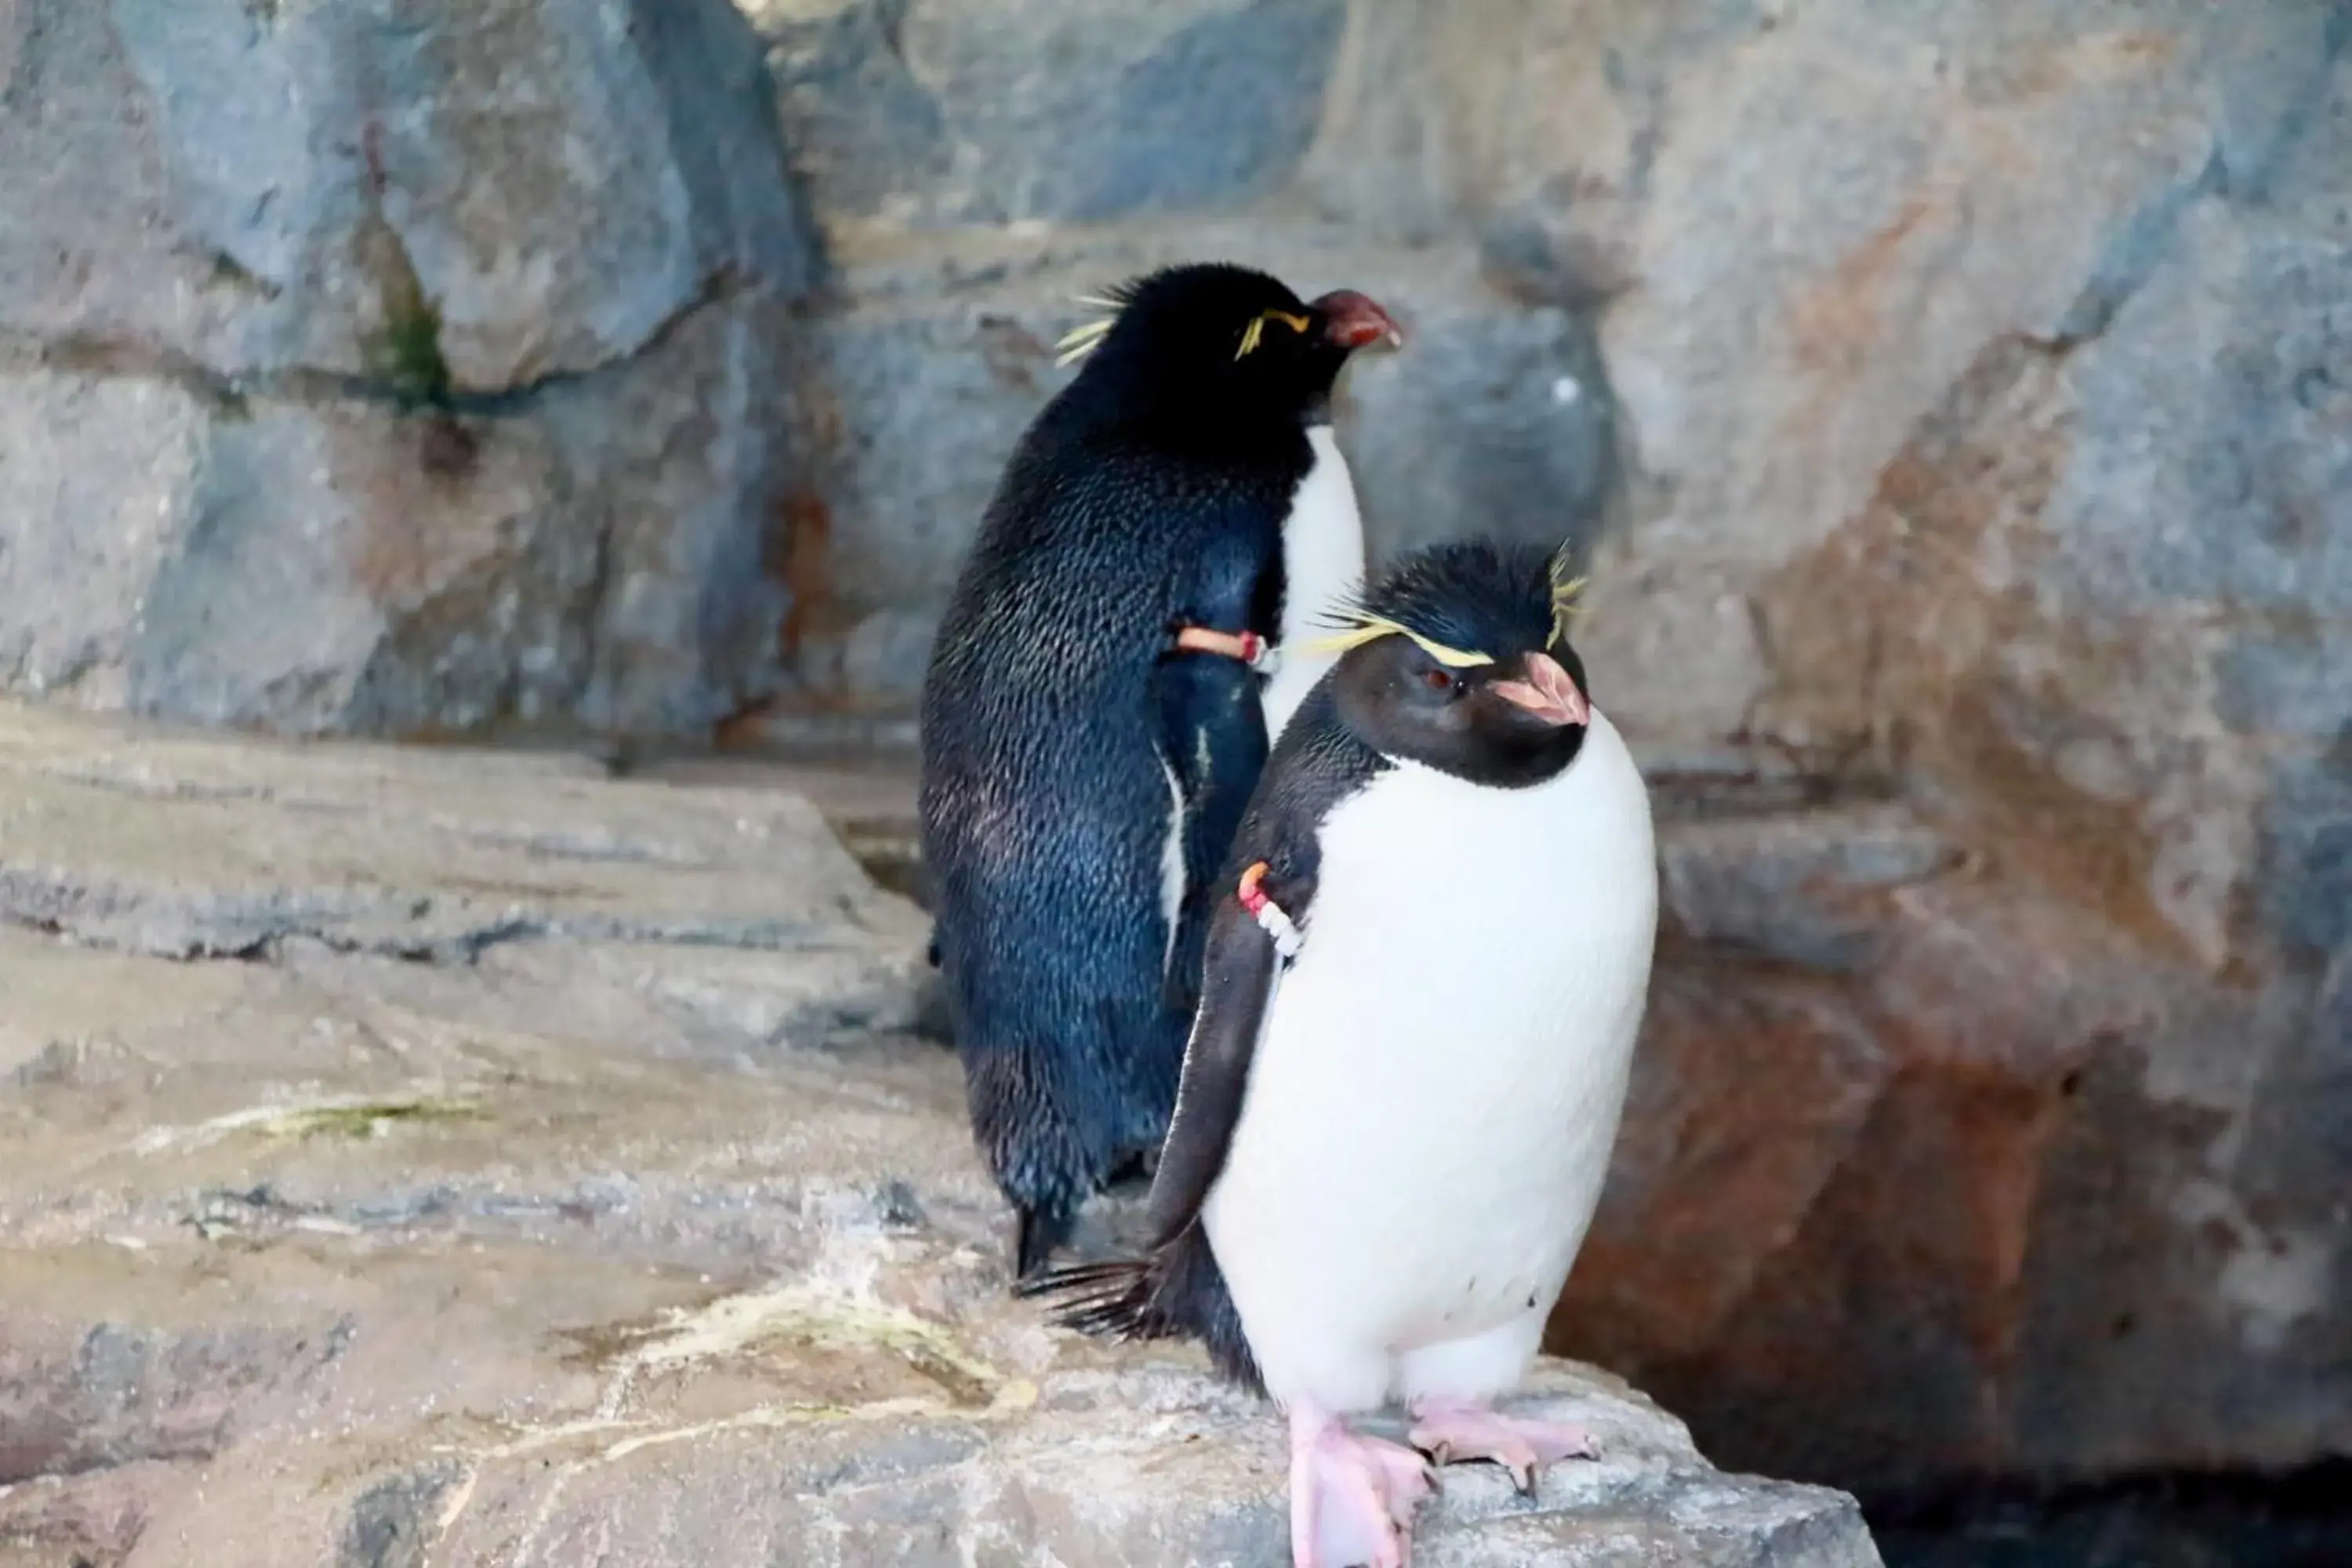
{"x":2279,"y":683}
{"x":2212,"y":407}
{"x":394,"y":1523}
{"x":865,"y":132}
{"x":2307,"y":853}
{"x":886,"y":654}
{"x":356,"y":376}
{"x":555,"y":182}
{"x":926,"y":400}
{"x":2082,"y":620}
{"x":1495,"y":421}
{"x":119,"y":456}
{"x":1008,"y":112}
{"x":419,"y":856}
{"x":333,"y":565}
{"x":1797,"y":226}
{"x":379,"y":1254}
{"x":1804,"y":889}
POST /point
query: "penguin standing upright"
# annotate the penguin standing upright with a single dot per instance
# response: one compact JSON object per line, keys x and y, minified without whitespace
{"x":1091,"y":726}
{"x":1427,"y":968}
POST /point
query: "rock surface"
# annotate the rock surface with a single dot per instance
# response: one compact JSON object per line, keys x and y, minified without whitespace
{"x":392,"y":368}
{"x":412,"y":1156}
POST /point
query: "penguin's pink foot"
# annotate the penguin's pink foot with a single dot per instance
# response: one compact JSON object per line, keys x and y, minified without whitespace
{"x":1352,"y":1498}
{"x":1453,"y":1431}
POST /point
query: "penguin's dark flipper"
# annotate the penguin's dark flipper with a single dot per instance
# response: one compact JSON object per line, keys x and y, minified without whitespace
{"x":1236,"y":984}
{"x":1177,"y":1287}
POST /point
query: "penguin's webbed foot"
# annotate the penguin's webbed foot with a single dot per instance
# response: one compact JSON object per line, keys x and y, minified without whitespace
{"x":1351,"y":1497}
{"x":1453,"y":1431}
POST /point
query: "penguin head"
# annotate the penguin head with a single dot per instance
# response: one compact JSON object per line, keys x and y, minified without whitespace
{"x":1457,"y":656}
{"x":1209,"y":341}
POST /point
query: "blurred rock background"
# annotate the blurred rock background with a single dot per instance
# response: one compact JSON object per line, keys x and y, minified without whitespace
{"x":1955,"y":401}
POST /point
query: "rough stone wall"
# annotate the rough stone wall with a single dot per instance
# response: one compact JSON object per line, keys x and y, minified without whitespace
{"x":977,"y":164}
{"x":388,"y":367}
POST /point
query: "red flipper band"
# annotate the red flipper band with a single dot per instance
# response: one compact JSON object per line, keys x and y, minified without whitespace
{"x":1247,"y":647}
{"x":1268,"y":913}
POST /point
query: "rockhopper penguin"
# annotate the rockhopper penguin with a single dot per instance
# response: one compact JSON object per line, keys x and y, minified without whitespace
{"x":1427,"y":963}
{"x":1091,"y":719}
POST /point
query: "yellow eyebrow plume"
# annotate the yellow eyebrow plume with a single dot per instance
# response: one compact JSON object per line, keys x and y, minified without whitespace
{"x":1253,"y":333}
{"x":1086,"y":336}
{"x":1370,"y":628}
{"x":1081,"y":341}
{"x":1565,"y":592}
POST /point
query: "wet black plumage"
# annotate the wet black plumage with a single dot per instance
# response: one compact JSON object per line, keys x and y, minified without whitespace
{"x":1150,"y":494}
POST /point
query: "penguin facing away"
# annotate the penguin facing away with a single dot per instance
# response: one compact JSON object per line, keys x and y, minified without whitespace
{"x":1091,"y":721}
{"x":1428,"y":962}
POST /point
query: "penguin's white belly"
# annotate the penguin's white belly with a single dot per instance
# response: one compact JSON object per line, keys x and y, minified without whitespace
{"x":1432,"y":1106}
{"x":1322,"y":561}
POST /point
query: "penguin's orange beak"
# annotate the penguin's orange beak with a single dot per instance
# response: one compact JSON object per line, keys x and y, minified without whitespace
{"x":1352,"y":322}
{"x":1546,"y":693}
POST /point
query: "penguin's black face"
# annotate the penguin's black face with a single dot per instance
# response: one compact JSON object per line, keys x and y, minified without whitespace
{"x":1463,"y":664}
{"x":1212,"y":341}
{"x":1508,"y":725}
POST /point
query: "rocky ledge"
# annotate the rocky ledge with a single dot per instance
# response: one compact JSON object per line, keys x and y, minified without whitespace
{"x":420,"y":1157}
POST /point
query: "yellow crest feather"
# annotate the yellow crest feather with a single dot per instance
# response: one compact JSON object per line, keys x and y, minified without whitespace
{"x":1370,"y":628}
{"x":1081,"y":341}
{"x":1254,"y":333}
{"x":1086,"y":336}
{"x":1341,"y":641}
{"x":1565,"y":593}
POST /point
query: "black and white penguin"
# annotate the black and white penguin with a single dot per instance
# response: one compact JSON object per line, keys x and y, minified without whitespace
{"x":1091,"y":717}
{"x":1428,"y":962}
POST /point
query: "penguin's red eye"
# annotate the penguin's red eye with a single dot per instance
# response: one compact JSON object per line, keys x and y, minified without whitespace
{"x":1436,"y":680}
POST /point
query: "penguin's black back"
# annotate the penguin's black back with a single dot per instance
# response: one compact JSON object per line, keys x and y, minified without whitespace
{"x":1048,"y":706}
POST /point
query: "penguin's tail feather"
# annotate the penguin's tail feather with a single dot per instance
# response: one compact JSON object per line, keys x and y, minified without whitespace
{"x":1176,"y":1292}
{"x":1114,"y":1299}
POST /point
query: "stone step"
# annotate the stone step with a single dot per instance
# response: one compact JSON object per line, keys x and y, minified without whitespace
{"x":616,"y":1240}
